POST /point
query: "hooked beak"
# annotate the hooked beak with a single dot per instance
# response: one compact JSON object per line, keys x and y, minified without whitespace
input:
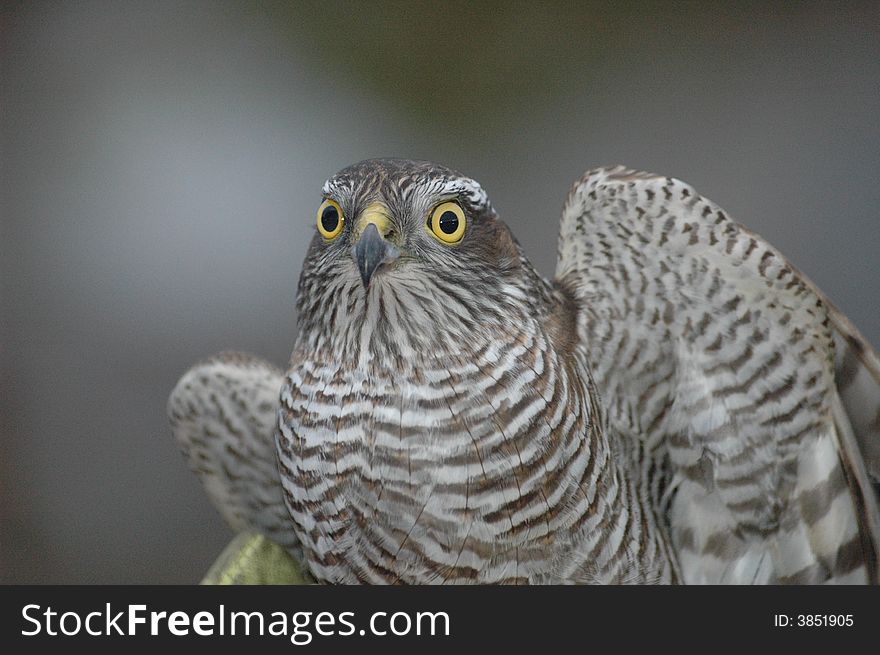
{"x":371,"y":251}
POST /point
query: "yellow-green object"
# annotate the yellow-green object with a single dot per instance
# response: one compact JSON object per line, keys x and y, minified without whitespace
{"x":251,"y":558}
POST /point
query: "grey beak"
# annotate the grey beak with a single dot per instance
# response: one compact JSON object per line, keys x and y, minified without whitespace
{"x":371,"y":251}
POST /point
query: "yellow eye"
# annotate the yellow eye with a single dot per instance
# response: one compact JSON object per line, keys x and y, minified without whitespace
{"x":330,"y":219}
{"x":447,"y":222}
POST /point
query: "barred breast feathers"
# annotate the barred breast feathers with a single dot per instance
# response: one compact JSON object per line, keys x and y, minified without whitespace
{"x":405,"y":458}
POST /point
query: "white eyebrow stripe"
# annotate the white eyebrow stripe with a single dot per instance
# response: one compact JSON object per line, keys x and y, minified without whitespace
{"x":465,"y":187}
{"x":462,"y":187}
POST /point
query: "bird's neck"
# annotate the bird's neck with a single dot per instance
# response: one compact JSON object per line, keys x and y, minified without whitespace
{"x":398,"y":325}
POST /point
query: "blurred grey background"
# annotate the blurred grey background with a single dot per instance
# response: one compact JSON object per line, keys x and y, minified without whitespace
{"x":162,"y":162}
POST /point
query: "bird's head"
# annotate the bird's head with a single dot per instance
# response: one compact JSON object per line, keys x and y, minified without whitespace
{"x":390,"y":217}
{"x":418,"y":241}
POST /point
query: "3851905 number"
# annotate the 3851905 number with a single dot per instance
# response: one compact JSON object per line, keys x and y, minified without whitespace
{"x":824,"y":620}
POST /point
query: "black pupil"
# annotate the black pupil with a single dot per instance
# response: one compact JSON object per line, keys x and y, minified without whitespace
{"x":448,"y":222}
{"x":329,"y":218}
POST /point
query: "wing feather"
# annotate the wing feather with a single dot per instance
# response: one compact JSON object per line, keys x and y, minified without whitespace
{"x":714,"y":354}
{"x":223,"y":416}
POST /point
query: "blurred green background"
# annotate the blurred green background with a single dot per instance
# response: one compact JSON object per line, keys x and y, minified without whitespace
{"x":161,"y":162}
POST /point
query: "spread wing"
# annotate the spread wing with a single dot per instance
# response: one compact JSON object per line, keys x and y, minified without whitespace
{"x":223,"y":415}
{"x":716,"y":362}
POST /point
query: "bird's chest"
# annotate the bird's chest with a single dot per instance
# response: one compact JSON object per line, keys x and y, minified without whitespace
{"x":415,"y":478}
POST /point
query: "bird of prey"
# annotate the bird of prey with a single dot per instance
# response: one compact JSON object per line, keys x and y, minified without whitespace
{"x":679,"y":404}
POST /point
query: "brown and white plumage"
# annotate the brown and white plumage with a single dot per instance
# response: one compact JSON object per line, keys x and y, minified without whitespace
{"x":668,"y":409}
{"x":222,"y":414}
{"x":715,"y":359}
